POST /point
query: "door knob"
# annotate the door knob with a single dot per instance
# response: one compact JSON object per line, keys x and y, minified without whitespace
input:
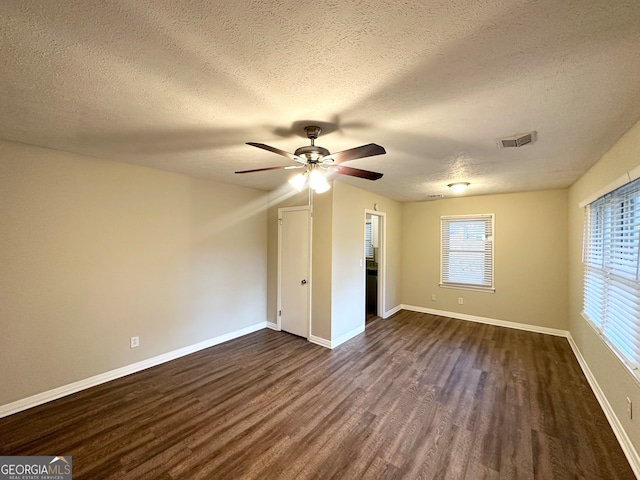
{"x":303,"y":282}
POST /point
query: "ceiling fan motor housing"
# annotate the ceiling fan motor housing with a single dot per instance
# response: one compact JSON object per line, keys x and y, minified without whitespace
{"x":312,"y":153}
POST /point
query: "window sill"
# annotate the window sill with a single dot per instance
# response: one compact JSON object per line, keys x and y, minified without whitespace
{"x":632,"y":370}
{"x":468,"y":287}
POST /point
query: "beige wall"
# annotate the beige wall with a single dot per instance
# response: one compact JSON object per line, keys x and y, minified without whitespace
{"x":321,"y":265}
{"x":338,"y":302}
{"x":348,"y":277}
{"x":530,"y":258}
{"x":94,"y":252}
{"x":614,"y":379}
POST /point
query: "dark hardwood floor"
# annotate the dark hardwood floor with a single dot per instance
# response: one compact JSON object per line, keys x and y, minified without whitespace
{"x":415,"y":396}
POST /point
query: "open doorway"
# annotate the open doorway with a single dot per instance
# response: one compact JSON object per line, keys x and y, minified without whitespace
{"x":374,"y":249}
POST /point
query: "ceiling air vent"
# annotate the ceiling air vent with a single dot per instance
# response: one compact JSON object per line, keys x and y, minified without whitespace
{"x":516,"y":140}
{"x":436,"y":195}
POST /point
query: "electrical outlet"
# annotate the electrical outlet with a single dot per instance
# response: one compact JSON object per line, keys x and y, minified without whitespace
{"x":460,"y":301}
{"x":433,"y":297}
{"x":629,"y":409}
{"x":135,"y":342}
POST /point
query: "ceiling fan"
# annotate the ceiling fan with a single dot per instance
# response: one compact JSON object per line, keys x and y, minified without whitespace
{"x":314,"y":158}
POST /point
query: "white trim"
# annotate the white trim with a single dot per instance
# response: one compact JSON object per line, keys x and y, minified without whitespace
{"x":469,"y":286}
{"x":393,"y":311}
{"x":382,"y":261}
{"x":323,"y":342}
{"x":617,"y":183}
{"x":470,"y":216}
{"x":56,"y":393}
{"x":490,"y":321}
{"x":50,"y":395}
{"x":624,"y":363}
{"x":310,"y":268}
{"x":273,"y":326}
{"x":623,"y":439}
{"x":462,"y":286}
{"x":347,"y":336}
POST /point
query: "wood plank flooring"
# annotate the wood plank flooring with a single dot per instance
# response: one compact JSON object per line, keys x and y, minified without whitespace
{"x":414,"y":397}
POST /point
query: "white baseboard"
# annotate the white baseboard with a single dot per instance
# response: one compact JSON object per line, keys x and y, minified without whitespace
{"x":623,"y":439}
{"x":273,"y":326}
{"x":394,"y":310}
{"x":50,"y":395}
{"x":323,"y":342}
{"x":347,"y":336}
{"x":489,"y":321}
{"x":44,"y":397}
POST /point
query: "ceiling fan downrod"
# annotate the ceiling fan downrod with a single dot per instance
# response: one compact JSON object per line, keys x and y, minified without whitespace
{"x":312,"y":153}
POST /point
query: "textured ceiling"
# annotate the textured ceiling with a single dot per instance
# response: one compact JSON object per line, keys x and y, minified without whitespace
{"x":182,"y":85}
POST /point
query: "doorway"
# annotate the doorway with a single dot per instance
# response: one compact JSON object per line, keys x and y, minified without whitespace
{"x":375,"y":256}
{"x":294,"y":292}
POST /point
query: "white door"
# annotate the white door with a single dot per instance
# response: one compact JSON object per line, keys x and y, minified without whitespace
{"x":294,"y":270}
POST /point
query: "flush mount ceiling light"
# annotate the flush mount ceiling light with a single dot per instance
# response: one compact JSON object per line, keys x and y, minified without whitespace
{"x":458,"y":187}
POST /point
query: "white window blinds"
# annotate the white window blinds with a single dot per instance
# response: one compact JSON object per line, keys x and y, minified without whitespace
{"x":611,"y":275}
{"x":467,"y":251}
{"x":368,"y":241}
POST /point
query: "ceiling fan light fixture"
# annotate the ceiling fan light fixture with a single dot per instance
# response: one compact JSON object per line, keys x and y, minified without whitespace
{"x":298,"y":181}
{"x":458,"y":187}
{"x":318,"y":182}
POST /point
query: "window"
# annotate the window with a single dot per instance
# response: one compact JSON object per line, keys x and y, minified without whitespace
{"x":368,"y":241}
{"x":611,"y":262}
{"x":467,"y":251}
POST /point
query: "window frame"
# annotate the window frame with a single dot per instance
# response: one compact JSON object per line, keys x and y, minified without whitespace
{"x":489,"y":224}
{"x":611,"y":225}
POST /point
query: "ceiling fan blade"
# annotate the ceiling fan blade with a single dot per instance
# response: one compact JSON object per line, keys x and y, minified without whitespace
{"x":290,"y":156}
{"x":282,"y":167}
{"x":356,"y":172}
{"x":363,"y":151}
